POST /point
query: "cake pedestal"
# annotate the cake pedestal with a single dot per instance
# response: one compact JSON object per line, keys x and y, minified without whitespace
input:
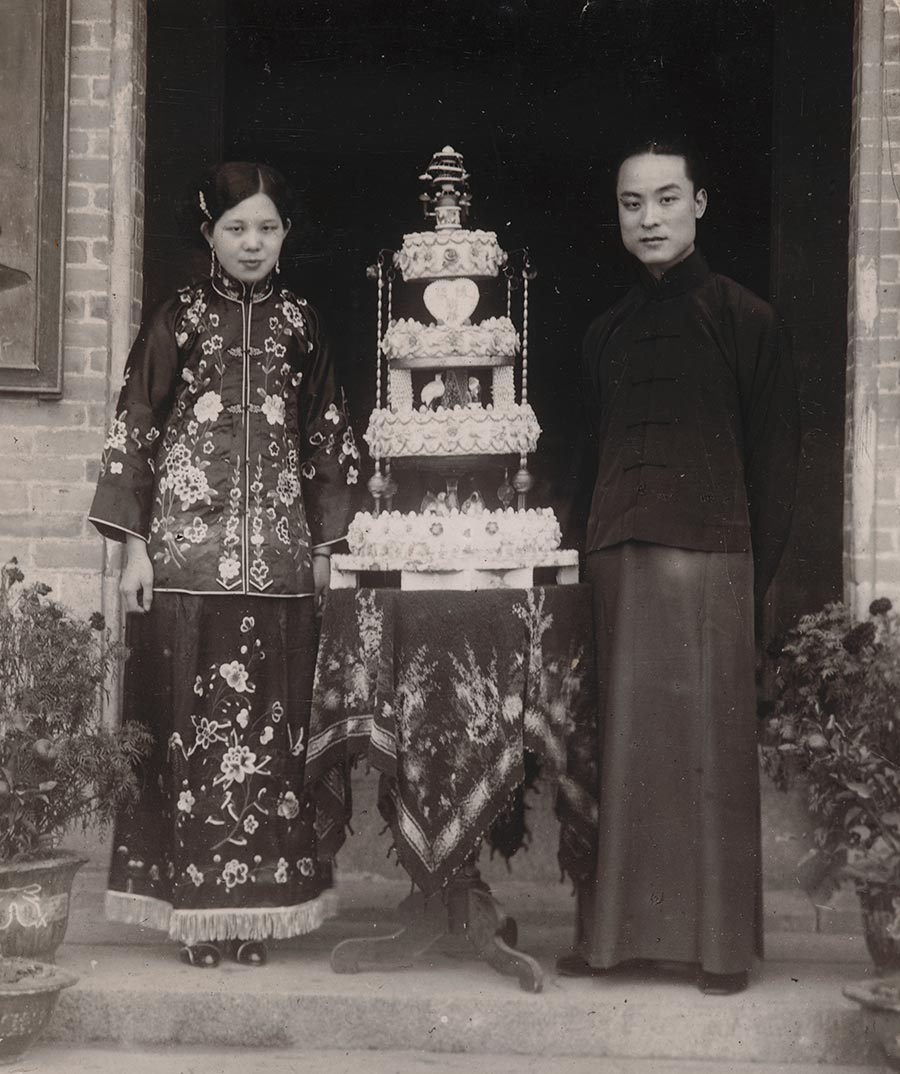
{"x":461,"y":575}
{"x":466,"y":909}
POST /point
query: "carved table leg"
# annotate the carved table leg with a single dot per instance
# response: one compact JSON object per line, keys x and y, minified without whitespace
{"x":467,"y":909}
{"x":487,"y":926}
{"x":427,"y":923}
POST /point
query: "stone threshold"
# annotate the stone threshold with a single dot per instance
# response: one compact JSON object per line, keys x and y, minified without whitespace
{"x":140,"y":995}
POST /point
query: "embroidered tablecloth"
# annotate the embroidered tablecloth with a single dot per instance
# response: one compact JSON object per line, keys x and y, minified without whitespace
{"x":451,"y":696}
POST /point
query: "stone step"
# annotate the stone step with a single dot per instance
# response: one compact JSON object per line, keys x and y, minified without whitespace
{"x":140,"y":996}
{"x":49,"y":1059}
{"x":784,"y":910}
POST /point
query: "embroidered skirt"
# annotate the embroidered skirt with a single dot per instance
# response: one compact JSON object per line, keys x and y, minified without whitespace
{"x":678,"y":869}
{"x":222,"y":843}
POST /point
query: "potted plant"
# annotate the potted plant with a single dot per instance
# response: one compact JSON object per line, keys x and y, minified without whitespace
{"x":59,"y":765}
{"x":836,"y":724}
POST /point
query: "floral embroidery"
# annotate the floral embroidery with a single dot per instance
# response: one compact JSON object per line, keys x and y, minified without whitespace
{"x":259,"y":568}
{"x":186,"y":801}
{"x":288,"y":807}
{"x":288,"y":487}
{"x":118,"y":434}
{"x":292,"y":315}
{"x":195,"y":875}
{"x":235,"y":674}
{"x":208,"y":407}
{"x":207,"y":733}
{"x":237,"y":763}
{"x":196,"y":531}
{"x":229,"y":567}
{"x":273,"y":408}
{"x":281,"y":873}
{"x":234,"y":873}
{"x":187,"y":482}
{"x":115,"y":467}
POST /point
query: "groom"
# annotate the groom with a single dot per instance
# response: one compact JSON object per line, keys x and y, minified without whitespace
{"x":696,"y":425}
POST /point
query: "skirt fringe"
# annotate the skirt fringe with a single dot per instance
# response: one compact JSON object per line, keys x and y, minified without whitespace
{"x":211,"y":925}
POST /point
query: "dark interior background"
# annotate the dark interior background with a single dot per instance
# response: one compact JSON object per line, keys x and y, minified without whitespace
{"x":351,"y":97}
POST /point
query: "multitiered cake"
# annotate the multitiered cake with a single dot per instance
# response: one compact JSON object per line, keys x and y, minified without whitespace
{"x":447,"y":405}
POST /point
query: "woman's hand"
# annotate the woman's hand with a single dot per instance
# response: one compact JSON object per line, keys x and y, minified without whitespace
{"x":321,"y":565}
{"x":136,"y":581}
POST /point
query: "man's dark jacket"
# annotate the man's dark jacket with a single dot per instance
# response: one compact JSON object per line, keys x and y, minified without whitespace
{"x":696,"y":418}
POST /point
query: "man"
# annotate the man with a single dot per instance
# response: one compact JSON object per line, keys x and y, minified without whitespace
{"x":697,"y":428}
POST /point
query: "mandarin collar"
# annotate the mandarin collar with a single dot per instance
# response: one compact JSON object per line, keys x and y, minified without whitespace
{"x":229,"y":287}
{"x":680,"y":278}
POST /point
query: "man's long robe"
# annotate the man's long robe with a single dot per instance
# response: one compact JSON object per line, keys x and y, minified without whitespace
{"x":697,"y":445}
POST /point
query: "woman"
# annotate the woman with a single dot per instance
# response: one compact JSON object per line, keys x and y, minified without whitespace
{"x":226,"y":474}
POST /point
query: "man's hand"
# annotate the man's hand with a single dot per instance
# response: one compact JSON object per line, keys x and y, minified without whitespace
{"x":136,"y":581}
{"x":321,"y":565}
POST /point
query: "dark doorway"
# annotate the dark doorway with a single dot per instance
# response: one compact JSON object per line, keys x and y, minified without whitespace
{"x":351,"y":97}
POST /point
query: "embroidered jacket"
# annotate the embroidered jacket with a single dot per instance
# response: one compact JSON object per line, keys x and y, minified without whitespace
{"x":230,"y":452}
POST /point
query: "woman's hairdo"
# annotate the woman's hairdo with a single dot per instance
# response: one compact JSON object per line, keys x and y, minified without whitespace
{"x":227,"y":185}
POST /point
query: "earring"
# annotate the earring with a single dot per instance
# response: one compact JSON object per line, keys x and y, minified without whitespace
{"x":212,"y":260}
{"x":278,"y":267}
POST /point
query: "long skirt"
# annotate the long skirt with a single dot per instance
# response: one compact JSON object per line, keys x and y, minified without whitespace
{"x":678,"y":867}
{"x":221,"y":844}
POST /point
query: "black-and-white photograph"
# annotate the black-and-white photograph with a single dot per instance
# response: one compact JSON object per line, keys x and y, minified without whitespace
{"x":450,"y":536}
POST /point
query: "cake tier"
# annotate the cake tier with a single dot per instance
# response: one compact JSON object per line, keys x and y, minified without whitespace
{"x":492,"y":342}
{"x":471,"y":430}
{"x":428,"y":255}
{"x":429,"y":541}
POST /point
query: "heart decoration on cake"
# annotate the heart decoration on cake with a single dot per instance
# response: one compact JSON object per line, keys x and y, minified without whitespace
{"x":451,"y":301}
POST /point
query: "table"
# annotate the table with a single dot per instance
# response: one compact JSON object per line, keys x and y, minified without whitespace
{"x":453,"y":697}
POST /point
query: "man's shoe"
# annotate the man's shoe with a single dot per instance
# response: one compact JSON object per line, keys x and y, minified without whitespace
{"x":574,"y":965}
{"x":722,"y":984}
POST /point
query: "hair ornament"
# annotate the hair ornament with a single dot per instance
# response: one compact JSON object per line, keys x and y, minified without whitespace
{"x":203,"y":207}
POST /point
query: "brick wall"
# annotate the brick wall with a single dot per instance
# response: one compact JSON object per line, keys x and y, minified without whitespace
{"x":872,"y":513}
{"x":49,"y":449}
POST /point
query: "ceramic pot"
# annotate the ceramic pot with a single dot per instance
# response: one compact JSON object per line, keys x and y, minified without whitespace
{"x":34,"y":904}
{"x":879,"y":914}
{"x":881,"y":1002}
{"x":26,"y":1004}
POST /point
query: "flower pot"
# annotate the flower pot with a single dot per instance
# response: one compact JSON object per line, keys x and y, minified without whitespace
{"x":34,"y":904}
{"x":881,"y":1002}
{"x":26,"y":1004}
{"x":881,"y":918}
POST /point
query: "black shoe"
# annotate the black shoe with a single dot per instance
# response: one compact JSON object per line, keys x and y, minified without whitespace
{"x":574,"y":965}
{"x":722,"y":984}
{"x":206,"y":956}
{"x":249,"y":952}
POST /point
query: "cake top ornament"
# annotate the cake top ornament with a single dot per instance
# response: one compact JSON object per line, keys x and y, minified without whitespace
{"x":449,"y":199}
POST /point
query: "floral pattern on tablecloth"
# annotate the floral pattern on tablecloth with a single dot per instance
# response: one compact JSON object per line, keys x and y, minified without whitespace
{"x":447,"y":693}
